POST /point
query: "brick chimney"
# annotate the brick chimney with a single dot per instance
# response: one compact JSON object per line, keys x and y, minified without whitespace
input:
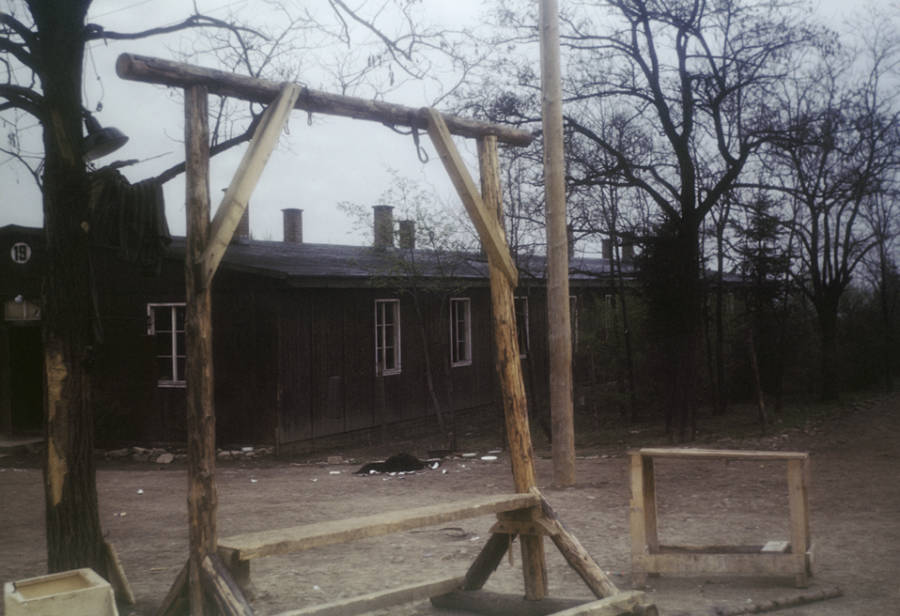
{"x":242,"y":233}
{"x":383,"y":226}
{"x":293,"y":225}
{"x":406,"y":234}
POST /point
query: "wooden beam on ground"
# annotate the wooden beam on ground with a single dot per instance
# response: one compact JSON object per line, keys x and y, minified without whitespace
{"x":578,"y":557}
{"x":380,"y":600}
{"x":224,"y":591}
{"x":502,"y":604}
{"x":629,"y":602}
{"x":286,"y":540}
{"x":509,"y":369}
{"x":486,"y":223}
{"x":201,"y":419}
{"x":116,"y":573}
{"x":234,"y":203}
{"x":177,"y":74}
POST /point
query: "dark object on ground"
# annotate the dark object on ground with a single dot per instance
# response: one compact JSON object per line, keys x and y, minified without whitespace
{"x":400,"y":463}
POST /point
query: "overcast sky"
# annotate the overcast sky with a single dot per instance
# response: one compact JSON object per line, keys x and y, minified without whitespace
{"x":315,"y":166}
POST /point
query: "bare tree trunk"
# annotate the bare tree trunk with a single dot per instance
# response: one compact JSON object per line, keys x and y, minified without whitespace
{"x":74,"y":537}
{"x":429,"y":377}
{"x":760,"y":397}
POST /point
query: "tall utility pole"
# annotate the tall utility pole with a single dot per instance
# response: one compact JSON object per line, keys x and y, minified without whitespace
{"x":557,"y":251}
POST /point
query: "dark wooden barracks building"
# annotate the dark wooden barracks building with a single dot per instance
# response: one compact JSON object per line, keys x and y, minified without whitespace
{"x":310,"y":340}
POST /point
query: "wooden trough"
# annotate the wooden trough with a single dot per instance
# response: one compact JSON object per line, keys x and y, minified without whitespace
{"x":212,"y":579}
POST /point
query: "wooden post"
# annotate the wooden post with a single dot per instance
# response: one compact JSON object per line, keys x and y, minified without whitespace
{"x":561,"y":411}
{"x":201,"y":421}
{"x":642,"y":515}
{"x":509,"y":368}
{"x":798,"y":502}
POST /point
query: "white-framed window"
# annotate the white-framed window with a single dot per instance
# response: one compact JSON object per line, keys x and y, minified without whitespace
{"x":460,"y":331}
{"x":165,"y":322}
{"x":387,"y":336}
{"x":521,"y":305}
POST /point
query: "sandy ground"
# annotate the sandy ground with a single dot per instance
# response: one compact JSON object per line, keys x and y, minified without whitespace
{"x":855,"y":518}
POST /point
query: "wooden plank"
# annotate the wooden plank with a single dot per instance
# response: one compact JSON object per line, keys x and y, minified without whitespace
{"x":629,"y":602}
{"x":487,"y":225}
{"x":798,"y":503}
{"x":380,"y":600}
{"x":234,"y":203}
{"x":723,"y":454}
{"x":577,"y":556}
{"x":168,"y":73}
{"x":759,"y":563}
{"x":201,"y":419}
{"x":217,"y":581}
{"x":501,"y":604}
{"x":298,"y":538}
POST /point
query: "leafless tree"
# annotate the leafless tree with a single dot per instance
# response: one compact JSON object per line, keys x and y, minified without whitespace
{"x":837,"y":161}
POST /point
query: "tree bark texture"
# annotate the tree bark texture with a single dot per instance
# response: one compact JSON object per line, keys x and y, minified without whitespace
{"x":509,"y":369}
{"x":201,"y":420}
{"x":74,"y":537}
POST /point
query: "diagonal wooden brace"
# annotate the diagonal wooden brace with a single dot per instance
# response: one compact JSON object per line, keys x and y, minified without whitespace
{"x":487,"y":225}
{"x":234,"y":203}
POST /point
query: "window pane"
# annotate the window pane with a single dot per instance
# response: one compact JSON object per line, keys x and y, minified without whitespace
{"x":164,"y":368}
{"x":162,"y":319}
{"x":179,"y":343}
{"x":163,"y":344}
{"x":180,"y":364}
{"x":179,"y":317}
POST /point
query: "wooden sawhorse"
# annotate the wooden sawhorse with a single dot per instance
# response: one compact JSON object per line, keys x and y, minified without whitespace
{"x":774,"y":558}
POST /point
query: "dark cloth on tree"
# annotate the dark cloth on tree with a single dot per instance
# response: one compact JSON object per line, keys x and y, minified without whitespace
{"x":130,"y":218}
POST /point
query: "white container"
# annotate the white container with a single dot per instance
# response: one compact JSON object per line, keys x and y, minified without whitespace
{"x":80,"y":592}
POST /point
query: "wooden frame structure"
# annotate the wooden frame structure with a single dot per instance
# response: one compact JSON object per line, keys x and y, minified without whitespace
{"x":776,"y":558}
{"x":207,"y":583}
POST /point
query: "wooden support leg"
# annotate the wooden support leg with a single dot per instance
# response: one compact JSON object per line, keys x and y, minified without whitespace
{"x":798,"y":500}
{"x":487,"y":561}
{"x":222,"y":589}
{"x":175,"y":602}
{"x":534,"y":567}
{"x":116,"y":573}
{"x":644,"y":536}
{"x":578,"y":557}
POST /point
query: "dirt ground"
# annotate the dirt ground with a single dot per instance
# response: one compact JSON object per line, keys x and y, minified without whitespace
{"x":855,"y":517}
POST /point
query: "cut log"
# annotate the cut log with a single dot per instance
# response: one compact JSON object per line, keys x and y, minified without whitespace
{"x":578,"y":557}
{"x":178,"y":74}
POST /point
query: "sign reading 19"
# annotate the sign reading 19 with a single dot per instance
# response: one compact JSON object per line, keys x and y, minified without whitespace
{"x":20,"y":253}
